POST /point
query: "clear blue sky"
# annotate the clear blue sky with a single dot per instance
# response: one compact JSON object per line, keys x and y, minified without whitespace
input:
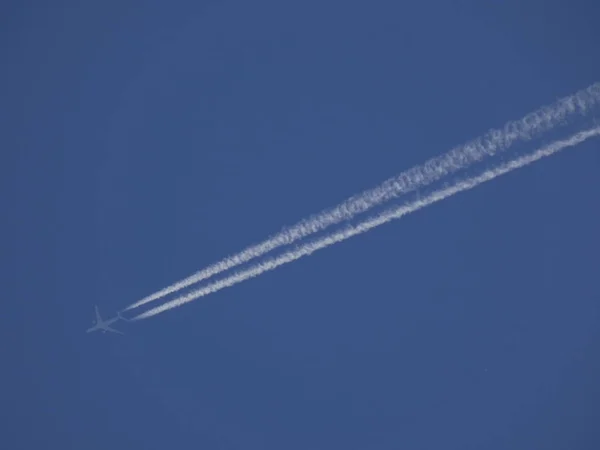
{"x":142,"y":141}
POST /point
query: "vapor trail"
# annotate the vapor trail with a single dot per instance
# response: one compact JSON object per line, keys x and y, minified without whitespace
{"x":456,"y":159}
{"x":393,"y":213}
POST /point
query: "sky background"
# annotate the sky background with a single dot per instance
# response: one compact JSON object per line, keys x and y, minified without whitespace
{"x":142,"y":141}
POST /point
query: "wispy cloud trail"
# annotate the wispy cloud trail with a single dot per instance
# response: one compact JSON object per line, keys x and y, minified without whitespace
{"x":370,"y":223}
{"x":456,"y":159}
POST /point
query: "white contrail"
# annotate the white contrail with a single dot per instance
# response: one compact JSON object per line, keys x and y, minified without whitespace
{"x":456,"y":159}
{"x":394,"y":213}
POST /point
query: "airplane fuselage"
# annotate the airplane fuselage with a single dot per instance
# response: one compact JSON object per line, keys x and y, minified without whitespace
{"x":104,"y":324}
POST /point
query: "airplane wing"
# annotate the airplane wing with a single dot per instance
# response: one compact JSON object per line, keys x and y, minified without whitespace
{"x":113,"y":330}
{"x":98,"y":319}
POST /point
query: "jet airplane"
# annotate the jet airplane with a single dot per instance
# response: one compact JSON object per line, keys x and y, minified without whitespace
{"x":104,"y":324}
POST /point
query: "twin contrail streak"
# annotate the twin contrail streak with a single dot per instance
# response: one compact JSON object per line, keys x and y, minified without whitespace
{"x":456,"y":159}
{"x":368,"y":224}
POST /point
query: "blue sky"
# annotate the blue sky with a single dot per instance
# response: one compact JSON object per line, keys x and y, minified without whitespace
{"x":142,"y":142}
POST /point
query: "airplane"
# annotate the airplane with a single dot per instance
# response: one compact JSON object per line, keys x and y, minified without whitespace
{"x":104,"y":324}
